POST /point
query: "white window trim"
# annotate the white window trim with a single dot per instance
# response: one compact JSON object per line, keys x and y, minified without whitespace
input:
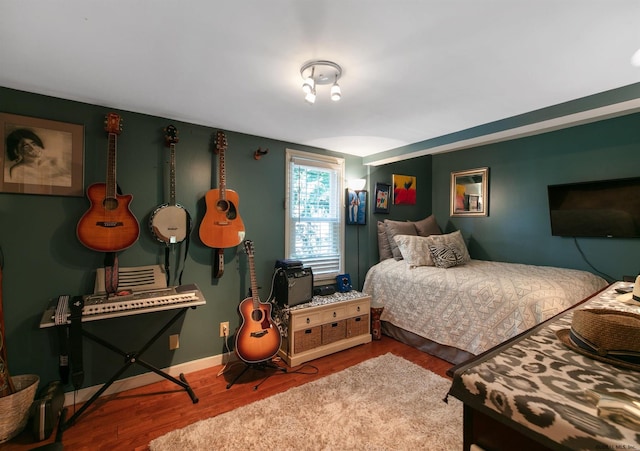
{"x":290,"y":154}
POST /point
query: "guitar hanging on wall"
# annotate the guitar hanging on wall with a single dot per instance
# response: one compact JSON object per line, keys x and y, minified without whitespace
{"x":258,"y":338}
{"x":221,"y":226}
{"x":108,"y":225}
{"x":169,"y":223}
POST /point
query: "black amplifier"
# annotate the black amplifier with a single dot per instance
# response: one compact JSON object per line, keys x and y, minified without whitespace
{"x":293,"y":286}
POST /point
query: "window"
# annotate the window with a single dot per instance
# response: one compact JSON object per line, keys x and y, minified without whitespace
{"x":314,"y":212}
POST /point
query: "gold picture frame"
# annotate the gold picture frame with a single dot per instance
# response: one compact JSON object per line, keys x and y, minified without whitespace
{"x":41,"y":156}
{"x":469,"y":192}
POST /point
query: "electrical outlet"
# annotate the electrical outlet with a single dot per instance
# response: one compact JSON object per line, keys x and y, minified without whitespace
{"x":174,"y":342}
{"x":224,"y":329}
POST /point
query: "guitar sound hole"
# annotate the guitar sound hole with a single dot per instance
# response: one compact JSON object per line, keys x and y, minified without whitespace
{"x":110,"y":203}
{"x":222,"y":205}
{"x":257,"y":315}
{"x":232,"y":212}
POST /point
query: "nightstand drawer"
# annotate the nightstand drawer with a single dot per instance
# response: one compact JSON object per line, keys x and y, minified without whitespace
{"x":358,"y":308}
{"x":335,"y":313}
{"x":304,"y":321}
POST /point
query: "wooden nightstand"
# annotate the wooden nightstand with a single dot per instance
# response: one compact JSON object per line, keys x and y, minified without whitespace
{"x":325,"y":325}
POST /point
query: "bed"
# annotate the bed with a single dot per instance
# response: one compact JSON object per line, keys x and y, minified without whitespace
{"x":438,"y":299}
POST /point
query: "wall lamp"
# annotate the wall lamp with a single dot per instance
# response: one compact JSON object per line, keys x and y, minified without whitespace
{"x":320,"y":72}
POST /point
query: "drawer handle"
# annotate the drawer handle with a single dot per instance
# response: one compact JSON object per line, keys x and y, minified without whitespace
{"x":308,"y":320}
{"x":308,"y":331}
{"x":358,"y":319}
{"x":358,"y":308}
{"x":334,"y":324}
{"x":335,"y":314}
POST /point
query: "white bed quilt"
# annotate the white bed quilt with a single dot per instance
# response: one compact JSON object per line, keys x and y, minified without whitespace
{"x":478,"y":305}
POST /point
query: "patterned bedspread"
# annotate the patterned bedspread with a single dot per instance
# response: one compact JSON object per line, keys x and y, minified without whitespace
{"x":476,"y":306}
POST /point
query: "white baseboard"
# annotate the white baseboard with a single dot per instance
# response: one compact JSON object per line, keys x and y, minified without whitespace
{"x":84,"y":394}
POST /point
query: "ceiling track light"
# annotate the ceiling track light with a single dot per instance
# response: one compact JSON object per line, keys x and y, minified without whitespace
{"x":320,"y":72}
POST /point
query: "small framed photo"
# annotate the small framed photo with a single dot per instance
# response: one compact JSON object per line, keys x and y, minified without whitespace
{"x":383,"y":198}
{"x":41,"y":156}
{"x":356,"y":207}
{"x":469,"y":192}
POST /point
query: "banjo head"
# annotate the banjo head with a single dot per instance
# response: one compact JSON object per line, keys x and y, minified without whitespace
{"x":169,"y":223}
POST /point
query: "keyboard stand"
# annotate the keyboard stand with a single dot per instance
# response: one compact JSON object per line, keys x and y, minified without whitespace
{"x":129,"y":360}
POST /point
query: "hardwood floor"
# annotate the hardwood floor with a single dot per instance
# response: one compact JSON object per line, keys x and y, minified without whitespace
{"x":130,"y":420}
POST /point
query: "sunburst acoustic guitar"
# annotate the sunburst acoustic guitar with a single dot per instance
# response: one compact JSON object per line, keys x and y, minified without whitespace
{"x":108,"y":225}
{"x":258,"y":338}
{"x":169,"y":223}
{"x":221,"y":226}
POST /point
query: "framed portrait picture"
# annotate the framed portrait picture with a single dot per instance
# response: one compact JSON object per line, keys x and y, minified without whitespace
{"x":469,"y":192}
{"x":382,"y":198}
{"x":41,"y":156}
{"x":404,"y":189}
{"x":356,"y":207}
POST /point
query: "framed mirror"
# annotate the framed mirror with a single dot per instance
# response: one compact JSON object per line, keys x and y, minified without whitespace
{"x":469,"y":192}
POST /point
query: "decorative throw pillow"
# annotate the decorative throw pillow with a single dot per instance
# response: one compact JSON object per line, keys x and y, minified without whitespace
{"x":427,"y":226}
{"x":398,"y":228}
{"x":451,"y":238}
{"x":415,"y":250}
{"x":384,"y":249}
{"x":446,"y":255}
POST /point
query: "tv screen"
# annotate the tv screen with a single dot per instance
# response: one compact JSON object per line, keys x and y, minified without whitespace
{"x":604,"y":208}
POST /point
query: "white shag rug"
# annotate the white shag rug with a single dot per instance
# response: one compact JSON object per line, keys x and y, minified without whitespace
{"x":385,"y":403}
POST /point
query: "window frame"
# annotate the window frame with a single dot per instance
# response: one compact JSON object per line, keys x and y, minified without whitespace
{"x":323,"y":161}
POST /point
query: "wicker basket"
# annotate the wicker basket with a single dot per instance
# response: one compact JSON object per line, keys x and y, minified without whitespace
{"x":14,"y":409}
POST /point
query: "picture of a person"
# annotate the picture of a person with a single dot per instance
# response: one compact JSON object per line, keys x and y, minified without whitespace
{"x":29,"y":161}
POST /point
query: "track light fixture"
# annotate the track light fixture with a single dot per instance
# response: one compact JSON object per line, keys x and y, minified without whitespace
{"x":320,"y":72}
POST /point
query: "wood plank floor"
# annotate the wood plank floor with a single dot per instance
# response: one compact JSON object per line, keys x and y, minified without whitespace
{"x":130,"y":420}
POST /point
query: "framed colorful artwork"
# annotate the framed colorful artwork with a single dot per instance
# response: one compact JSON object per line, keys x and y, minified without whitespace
{"x":383,"y":198}
{"x":404,"y":189}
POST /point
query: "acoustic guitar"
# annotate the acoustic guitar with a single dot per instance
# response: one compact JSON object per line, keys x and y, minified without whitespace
{"x":258,"y":338}
{"x":169,"y":223}
{"x":221,"y":226}
{"x":108,"y":225}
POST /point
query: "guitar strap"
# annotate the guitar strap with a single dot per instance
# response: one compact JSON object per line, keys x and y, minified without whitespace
{"x":75,"y":338}
{"x":111,"y":276}
{"x":167,"y":254}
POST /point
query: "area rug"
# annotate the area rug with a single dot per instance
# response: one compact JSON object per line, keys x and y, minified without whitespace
{"x":385,"y":403}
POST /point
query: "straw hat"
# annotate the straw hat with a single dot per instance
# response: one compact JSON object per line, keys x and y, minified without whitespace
{"x":629,"y":298}
{"x":607,"y":335}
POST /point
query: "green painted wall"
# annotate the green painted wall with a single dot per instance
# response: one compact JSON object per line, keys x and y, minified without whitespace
{"x":43,"y":257}
{"x":518,"y":227}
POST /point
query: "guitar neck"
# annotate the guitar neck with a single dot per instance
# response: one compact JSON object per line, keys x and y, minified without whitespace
{"x":111,"y":167}
{"x":222,"y":182}
{"x":254,"y":283}
{"x":172,"y":174}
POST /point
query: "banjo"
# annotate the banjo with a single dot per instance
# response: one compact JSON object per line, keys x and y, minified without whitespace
{"x":169,"y":223}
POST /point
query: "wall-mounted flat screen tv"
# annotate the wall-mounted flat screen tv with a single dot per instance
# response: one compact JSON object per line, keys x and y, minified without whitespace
{"x":604,"y":208}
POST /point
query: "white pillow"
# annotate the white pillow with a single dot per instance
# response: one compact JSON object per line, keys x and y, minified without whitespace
{"x":455,"y":239}
{"x":414,"y":250}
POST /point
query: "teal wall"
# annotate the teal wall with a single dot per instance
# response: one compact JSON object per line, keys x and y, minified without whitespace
{"x":43,"y":257}
{"x":518,"y":227}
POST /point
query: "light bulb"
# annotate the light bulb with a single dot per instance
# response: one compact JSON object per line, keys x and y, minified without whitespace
{"x":308,"y":85}
{"x":336,"y":94}
{"x":310,"y":97}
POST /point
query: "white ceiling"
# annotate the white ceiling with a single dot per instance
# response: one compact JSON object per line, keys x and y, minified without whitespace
{"x":412,"y":70}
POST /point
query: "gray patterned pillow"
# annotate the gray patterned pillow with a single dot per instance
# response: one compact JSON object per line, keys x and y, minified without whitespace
{"x":414,"y":250}
{"x":446,"y":255}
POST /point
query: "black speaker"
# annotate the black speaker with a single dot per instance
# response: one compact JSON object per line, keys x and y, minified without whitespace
{"x":293,"y":286}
